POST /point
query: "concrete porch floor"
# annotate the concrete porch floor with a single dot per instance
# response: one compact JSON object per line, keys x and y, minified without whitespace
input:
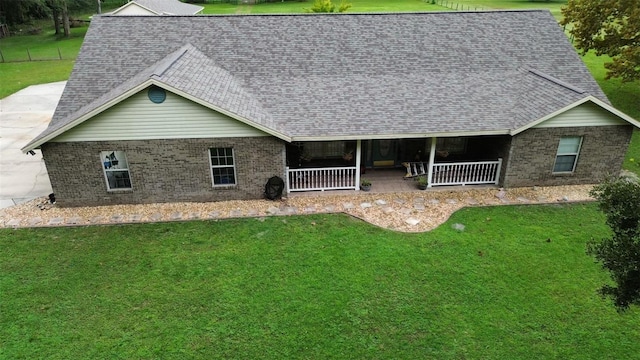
{"x":389,"y":180}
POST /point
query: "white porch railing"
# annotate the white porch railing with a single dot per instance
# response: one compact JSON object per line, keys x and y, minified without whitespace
{"x":335,"y":178}
{"x":466,"y":173}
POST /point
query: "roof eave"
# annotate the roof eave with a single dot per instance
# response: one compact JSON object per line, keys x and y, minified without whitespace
{"x":616,"y":112}
{"x":79,"y":120}
{"x":591,"y":98}
{"x":132,"y":3}
{"x":125,"y":95}
{"x":401,"y":135}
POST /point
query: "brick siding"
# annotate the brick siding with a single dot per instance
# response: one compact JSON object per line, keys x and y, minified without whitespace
{"x":161,"y":170}
{"x":533,"y":154}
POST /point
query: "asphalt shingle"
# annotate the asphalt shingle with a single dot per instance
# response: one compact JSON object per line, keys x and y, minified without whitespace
{"x":341,"y":75}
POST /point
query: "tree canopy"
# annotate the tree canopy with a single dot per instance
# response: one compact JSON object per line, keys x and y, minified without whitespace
{"x":23,"y":11}
{"x":610,"y":27}
{"x":15,"y":12}
{"x":619,"y":199}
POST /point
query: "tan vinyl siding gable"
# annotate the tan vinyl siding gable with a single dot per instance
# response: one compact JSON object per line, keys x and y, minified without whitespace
{"x":137,"y":118}
{"x":587,"y":114}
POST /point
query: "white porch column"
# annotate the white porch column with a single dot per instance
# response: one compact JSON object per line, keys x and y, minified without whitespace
{"x":432,"y":157}
{"x":358,"y":155}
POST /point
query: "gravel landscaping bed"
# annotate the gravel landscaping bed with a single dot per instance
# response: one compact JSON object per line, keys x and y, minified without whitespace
{"x":414,"y":211}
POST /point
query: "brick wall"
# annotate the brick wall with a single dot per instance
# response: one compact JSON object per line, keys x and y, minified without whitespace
{"x":161,"y":170}
{"x":533,"y":154}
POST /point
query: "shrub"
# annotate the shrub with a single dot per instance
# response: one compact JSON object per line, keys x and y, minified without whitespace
{"x":327,"y":6}
{"x":619,"y":199}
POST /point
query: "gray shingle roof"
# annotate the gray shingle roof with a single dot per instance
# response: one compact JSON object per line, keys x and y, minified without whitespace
{"x":347,"y":75}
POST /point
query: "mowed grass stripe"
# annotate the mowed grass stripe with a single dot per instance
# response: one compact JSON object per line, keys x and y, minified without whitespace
{"x":515,"y":284}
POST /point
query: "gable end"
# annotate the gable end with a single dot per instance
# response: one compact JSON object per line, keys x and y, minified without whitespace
{"x":587,"y":114}
{"x":139,"y":118}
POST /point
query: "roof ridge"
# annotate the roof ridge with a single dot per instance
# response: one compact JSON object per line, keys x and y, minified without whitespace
{"x":216,"y":86}
{"x":555,"y":80}
{"x":380,"y":13}
{"x":170,"y":60}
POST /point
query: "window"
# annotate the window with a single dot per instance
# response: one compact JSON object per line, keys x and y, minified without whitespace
{"x":452,"y":145}
{"x":116,"y":170}
{"x":324,"y":149}
{"x":223,"y":168}
{"x":567,"y":155}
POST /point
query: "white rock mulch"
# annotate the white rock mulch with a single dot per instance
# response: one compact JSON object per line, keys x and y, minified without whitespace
{"x":416,"y":211}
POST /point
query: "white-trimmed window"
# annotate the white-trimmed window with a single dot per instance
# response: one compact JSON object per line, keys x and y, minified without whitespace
{"x":567,"y":155}
{"x":223,"y":166}
{"x":116,"y":170}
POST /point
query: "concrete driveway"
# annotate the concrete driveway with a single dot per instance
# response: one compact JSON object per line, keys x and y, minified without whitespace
{"x":23,"y":116}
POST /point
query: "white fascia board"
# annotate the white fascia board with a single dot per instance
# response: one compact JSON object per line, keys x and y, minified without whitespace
{"x":87,"y":116}
{"x":31,"y":146}
{"x":137,"y":89}
{"x":591,"y":98}
{"x":401,"y":135}
{"x":616,"y":112}
{"x":116,"y":11}
{"x":133,"y":3}
{"x":246,"y":121}
{"x":549,"y":116}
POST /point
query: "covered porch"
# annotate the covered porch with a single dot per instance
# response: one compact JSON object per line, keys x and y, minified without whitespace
{"x":341,"y":165}
{"x":388,"y":181}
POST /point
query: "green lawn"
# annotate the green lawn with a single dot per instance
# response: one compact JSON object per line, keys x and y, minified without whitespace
{"x":632,"y":159}
{"x":516,"y":284}
{"x":300,"y":6}
{"x":17,"y":76}
{"x":16,"y":73}
{"x":553,"y":5}
{"x":45,"y":46}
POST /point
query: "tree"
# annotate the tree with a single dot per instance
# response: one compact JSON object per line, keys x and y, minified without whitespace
{"x":23,"y":11}
{"x":60,"y":12}
{"x":326,"y":6}
{"x":619,"y":199}
{"x":56,"y":12}
{"x":15,"y":12}
{"x":610,"y":27}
